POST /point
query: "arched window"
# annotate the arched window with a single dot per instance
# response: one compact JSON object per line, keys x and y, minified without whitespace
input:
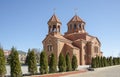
{"x":49,"y":48}
{"x":54,"y":28}
{"x":79,"y":26}
{"x":82,"y":26}
{"x":58,"y":28}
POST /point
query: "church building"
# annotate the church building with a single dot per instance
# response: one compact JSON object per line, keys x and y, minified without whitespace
{"x":76,"y":41}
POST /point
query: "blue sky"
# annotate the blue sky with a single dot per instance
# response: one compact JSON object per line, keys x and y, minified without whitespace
{"x":23,"y":23}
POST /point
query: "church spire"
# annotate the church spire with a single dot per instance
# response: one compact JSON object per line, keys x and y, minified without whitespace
{"x":54,"y":24}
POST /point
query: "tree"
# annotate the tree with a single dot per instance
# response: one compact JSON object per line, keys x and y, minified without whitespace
{"x":2,"y":63}
{"x":27,"y":57}
{"x":52,"y":64}
{"x":104,"y":62}
{"x":108,"y":62}
{"x":37,"y":54}
{"x":111,"y":61}
{"x":15,"y":64}
{"x":68,"y":63}
{"x":93,"y":63}
{"x":114,"y":62}
{"x":118,"y":60}
{"x":32,"y":65}
{"x":97,"y":61}
{"x":43,"y":63}
{"x":62,"y":63}
{"x":74,"y":62}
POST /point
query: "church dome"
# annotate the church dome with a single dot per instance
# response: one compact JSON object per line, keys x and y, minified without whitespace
{"x":54,"y":19}
{"x":76,"y":19}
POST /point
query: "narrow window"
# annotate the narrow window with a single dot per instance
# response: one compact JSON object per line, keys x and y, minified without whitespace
{"x":54,"y":28}
{"x":75,"y":27}
{"x":49,"y":48}
{"x":58,"y":28}
{"x":79,"y":26}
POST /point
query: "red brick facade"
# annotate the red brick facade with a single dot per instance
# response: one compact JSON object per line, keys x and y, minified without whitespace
{"x":76,"y":41}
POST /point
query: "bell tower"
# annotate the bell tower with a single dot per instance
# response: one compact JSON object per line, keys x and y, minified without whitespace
{"x":54,"y":25}
{"x":76,"y":25}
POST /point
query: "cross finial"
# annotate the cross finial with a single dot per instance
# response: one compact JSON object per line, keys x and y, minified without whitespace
{"x":75,"y":10}
{"x":54,"y":10}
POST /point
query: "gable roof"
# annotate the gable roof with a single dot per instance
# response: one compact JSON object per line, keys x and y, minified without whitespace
{"x":58,"y":37}
{"x":93,"y":37}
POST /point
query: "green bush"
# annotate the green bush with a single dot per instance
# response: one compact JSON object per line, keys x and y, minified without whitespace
{"x":68,"y":63}
{"x":15,"y":65}
{"x":111,"y":61}
{"x":105,"y":62}
{"x":93,"y":63}
{"x":62,"y":63}
{"x":74,"y":62}
{"x":43,"y":63}
{"x":52,"y":64}
{"x":27,"y":58}
{"x":32,"y":65}
{"x":2,"y":63}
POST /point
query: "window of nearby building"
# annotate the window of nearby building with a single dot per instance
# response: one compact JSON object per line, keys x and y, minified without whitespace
{"x":49,"y":48}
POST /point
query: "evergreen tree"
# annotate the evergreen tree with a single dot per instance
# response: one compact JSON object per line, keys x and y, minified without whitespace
{"x":2,"y":63}
{"x":68,"y":63}
{"x":43,"y":63}
{"x":15,"y":64}
{"x":104,"y":62}
{"x":27,"y":58}
{"x":114,"y":61}
{"x":97,"y":61}
{"x":10,"y":56}
{"x":119,"y":60}
{"x":111,"y":61}
{"x":108,"y":62}
{"x":74,"y":62}
{"x":93,"y":63}
{"x":52,"y":64}
{"x":62,"y":63}
{"x":32,"y":65}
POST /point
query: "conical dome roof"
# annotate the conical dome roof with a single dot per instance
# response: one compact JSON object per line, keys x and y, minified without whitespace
{"x":54,"y":19}
{"x":76,"y":19}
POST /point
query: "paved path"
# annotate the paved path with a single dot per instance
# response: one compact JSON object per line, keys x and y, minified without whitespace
{"x":113,"y":71}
